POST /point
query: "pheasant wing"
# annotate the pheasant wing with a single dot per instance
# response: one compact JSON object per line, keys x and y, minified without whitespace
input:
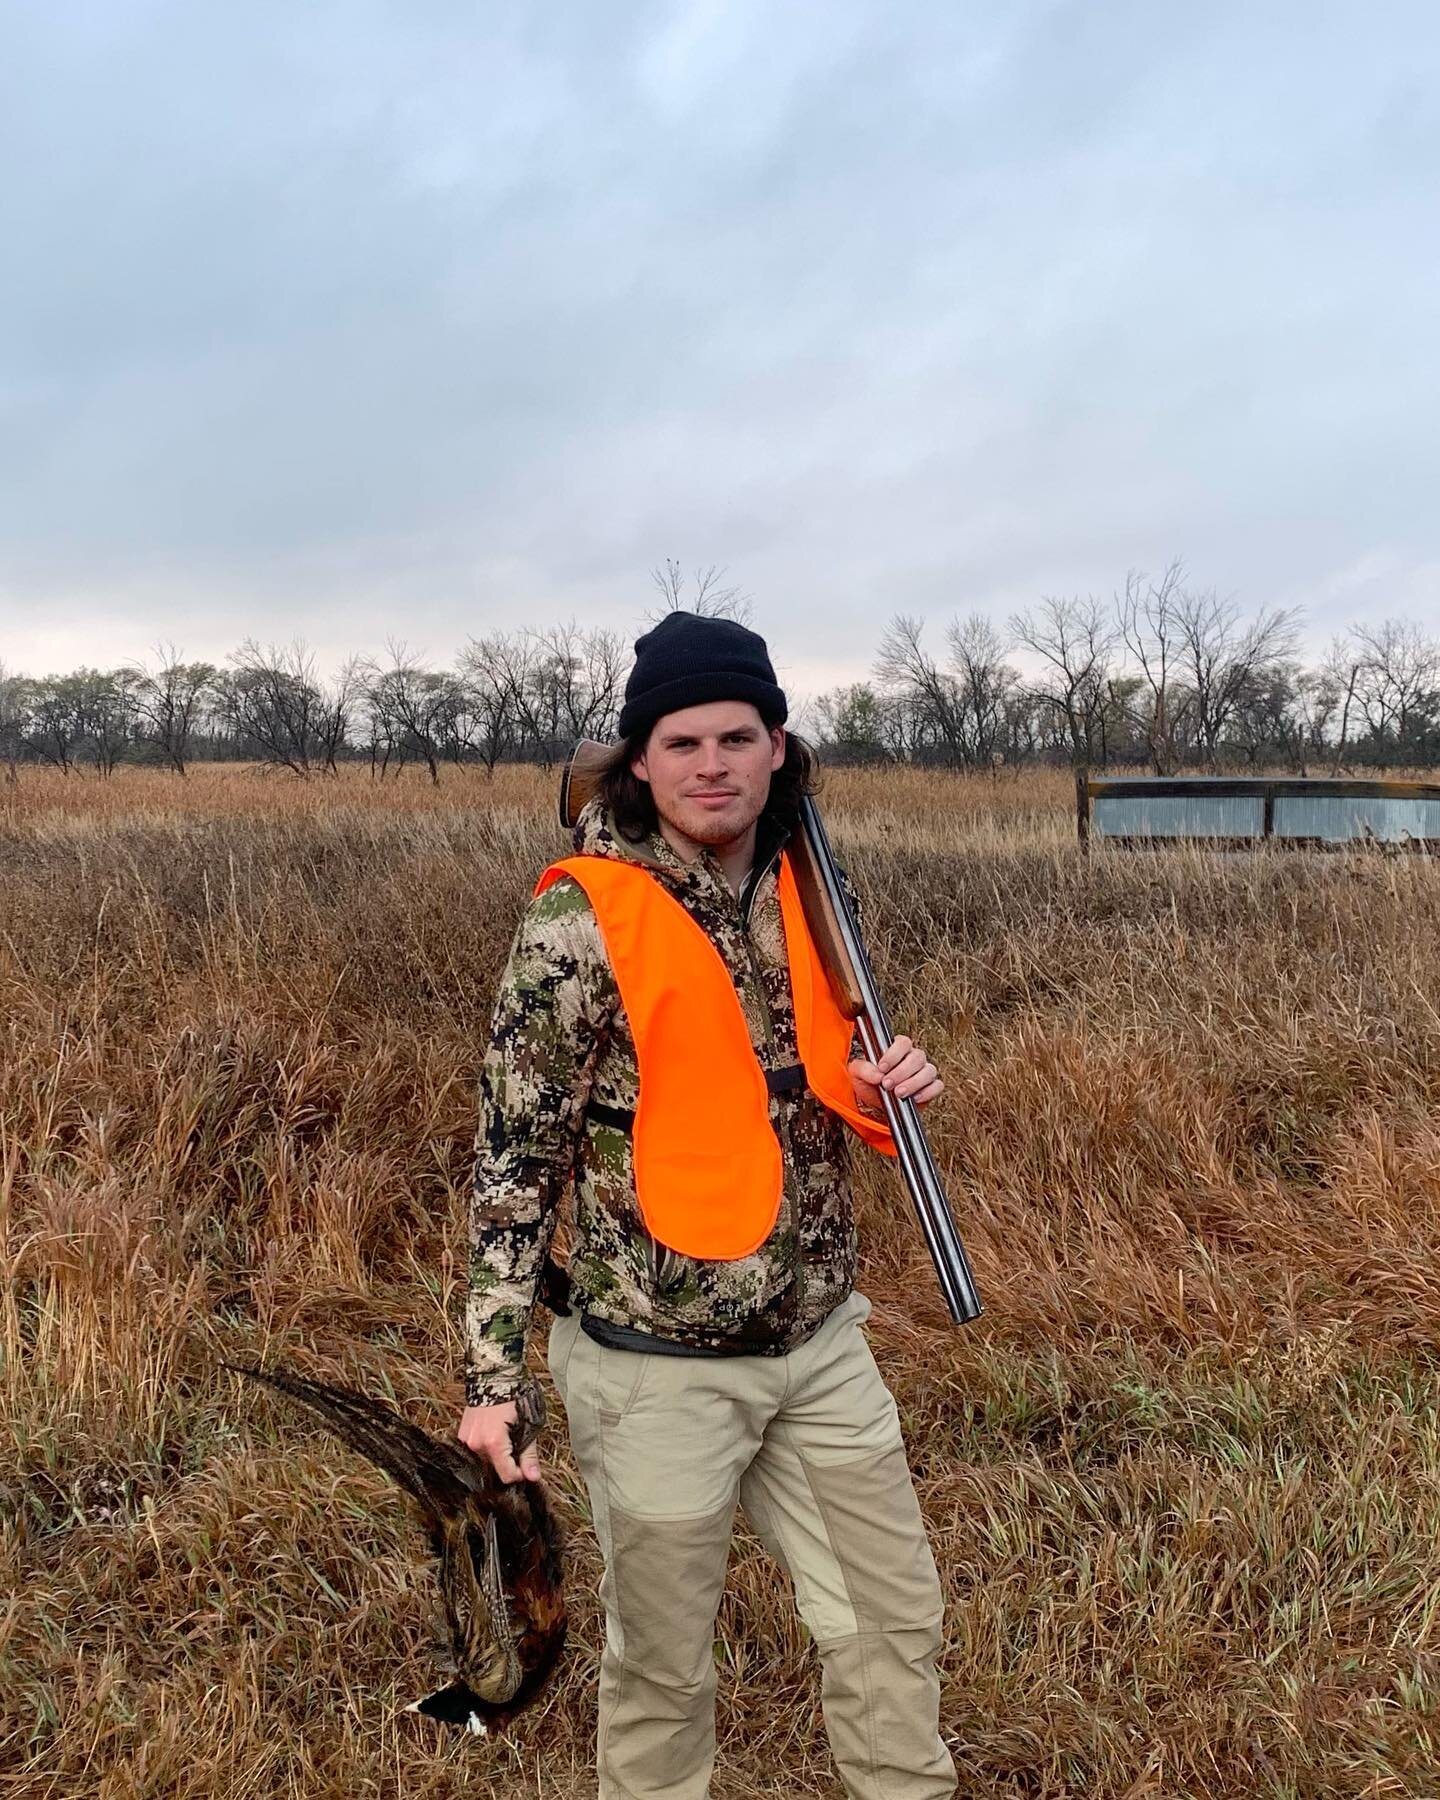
{"x":478,"y":1611}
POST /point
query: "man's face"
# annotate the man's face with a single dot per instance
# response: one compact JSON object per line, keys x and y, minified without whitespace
{"x":709,"y":769}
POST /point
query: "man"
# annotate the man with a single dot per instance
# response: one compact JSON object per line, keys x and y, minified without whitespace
{"x":713,"y":1351}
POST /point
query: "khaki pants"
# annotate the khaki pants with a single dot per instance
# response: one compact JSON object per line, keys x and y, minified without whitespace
{"x":810,"y":1444}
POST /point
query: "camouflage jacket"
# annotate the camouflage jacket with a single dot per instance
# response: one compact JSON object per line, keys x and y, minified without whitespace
{"x":560,"y":1040}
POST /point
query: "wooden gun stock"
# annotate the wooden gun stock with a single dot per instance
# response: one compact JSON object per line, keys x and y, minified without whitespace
{"x":580,"y":779}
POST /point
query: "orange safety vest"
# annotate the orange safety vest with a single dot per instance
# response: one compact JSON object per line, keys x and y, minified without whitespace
{"x":708,"y":1166}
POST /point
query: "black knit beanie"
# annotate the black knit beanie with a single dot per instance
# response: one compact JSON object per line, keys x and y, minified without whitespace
{"x":688,"y":659}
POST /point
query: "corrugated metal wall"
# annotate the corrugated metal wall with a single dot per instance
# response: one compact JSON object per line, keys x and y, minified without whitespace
{"x":1179,"y":815}
{"x":1337,"y":818}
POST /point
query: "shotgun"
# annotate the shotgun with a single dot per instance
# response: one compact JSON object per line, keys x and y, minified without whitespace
{"x":837,"y":938}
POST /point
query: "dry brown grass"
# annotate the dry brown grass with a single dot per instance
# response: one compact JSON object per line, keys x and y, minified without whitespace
{"x":1183,"y":1480}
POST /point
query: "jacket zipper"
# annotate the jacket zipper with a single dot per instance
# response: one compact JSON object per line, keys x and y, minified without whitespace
{"x":788,"y":1190}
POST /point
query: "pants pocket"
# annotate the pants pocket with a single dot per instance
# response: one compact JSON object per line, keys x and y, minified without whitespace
{"x":559,"y":1348}
{"x":619,"y":1377}
{"x":588,"y":1374}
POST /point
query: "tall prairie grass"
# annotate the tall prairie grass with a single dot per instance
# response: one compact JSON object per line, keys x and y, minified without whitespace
{"x":1183,"y":1480}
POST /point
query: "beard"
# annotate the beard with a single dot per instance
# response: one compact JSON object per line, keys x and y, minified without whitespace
{"x":715,"y":830}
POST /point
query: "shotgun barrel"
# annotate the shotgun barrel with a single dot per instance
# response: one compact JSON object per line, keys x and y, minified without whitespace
{"x":837,"y":937}
{"x":854,"y":980}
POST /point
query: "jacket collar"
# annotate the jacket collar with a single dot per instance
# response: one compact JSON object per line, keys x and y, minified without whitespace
{"x":596,"y":834}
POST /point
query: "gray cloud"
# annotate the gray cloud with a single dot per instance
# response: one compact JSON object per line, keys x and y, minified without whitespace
{"x":350,"y":319}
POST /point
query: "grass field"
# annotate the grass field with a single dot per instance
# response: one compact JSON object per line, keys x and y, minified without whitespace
{"x":1183,"y":1480}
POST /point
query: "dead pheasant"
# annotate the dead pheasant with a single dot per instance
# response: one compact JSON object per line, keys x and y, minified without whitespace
{"x":497,"y":1547}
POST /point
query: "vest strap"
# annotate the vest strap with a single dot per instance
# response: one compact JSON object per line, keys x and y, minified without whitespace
{"x":789,"y":1080}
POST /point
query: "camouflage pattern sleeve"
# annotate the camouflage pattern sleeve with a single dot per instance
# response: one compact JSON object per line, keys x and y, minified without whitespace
{"x":552,"y":1013}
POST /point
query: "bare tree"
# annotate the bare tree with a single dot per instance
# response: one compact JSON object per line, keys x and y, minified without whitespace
{"x":109,"y":711}
{"x":493,"y":723}
{"x":273,"y":702}
{"x":339,"y":696}
{"x":606,"y":662}
{"x":1076,"y":643}
{"x":1305,"y":704}
{"x":461,"y":721}
{"x":14,"y":705}
{"x":1223,"y":657}
{"x":1150,"y":623}
{"x":55,"y":721}
{"x":549,"y":687}
{"x":546,"y":700}
{"x":710,"y":596}
{"x":586,"y":671}
{"x":1028,"y":725}
{"x":958,"y":714}
{"x":171,"y":698}
{"x":504,"y":661}
{"x":907,"y":671}
{"x":1341,"y":668}
{"x":384,"y":734}
{"x":1267,"y":717}
{"x":416,"y":710}
{"x":1396,"y":686}
{"x":985,"y":684}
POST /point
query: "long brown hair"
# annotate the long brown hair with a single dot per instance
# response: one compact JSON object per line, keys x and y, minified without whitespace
{"x":631,"y":805}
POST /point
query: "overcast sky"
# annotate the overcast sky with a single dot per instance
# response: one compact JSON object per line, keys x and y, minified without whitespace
{"x":361,"y":320}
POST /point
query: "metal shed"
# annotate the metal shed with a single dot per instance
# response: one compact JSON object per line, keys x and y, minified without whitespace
{"x":1235,"y":812}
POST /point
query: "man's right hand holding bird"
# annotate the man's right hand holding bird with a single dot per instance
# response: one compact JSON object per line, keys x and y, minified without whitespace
{"x":487,"y":1431}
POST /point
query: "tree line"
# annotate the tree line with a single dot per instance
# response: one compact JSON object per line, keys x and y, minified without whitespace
{"x":1163,"y":675}
{"x":522,"y":695}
